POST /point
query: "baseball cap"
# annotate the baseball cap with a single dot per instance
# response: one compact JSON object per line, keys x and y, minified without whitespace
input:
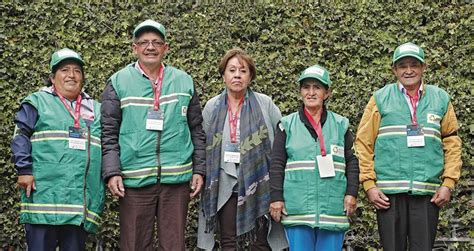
{"x":408,"y":50}
{"x":62,"y":55}
{"x":149,"y":24}
{"x":317,"y":72}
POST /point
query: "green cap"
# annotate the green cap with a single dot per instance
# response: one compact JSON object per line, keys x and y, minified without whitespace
{"x":408,"y":50}
{"x":62,"y":55}
{"x":317,"y":72}
{"x":149,"y":24}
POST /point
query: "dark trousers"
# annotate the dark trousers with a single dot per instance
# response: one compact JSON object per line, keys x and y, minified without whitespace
{"x":227,"y":224}
{"x":166,"y":203}
{"x":409,"y":218}
{"x":41,"y":237}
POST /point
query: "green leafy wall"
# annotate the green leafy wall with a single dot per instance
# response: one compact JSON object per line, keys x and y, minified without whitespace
{"x":354,"y":41}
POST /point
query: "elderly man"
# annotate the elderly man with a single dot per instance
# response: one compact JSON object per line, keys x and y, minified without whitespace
{"x":409,"y":153}
{"x":56,"y":150}
{"x":153,"y":143}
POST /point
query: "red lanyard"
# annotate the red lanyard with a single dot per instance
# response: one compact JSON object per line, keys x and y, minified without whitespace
{"x":233,"y":119}
{"x":413,"y":102}
{"x":319,"y":131}
{"x":77,"y":113}
{"x":156,"y":86}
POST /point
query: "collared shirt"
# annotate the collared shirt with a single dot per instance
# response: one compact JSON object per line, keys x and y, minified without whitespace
{"x":137,"y":66}
{"x":407,"y":98}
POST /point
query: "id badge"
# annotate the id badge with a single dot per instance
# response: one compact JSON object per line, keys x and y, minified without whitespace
{"x":77,"y":139}
{"x":325,"y":166}
{"x":154,"y":120}
{"x":415,"y":136}
{"x":232,"y":153}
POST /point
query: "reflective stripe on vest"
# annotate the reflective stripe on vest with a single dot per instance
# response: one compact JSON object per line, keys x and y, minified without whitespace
{"x":425,"y":187}
{"x":176,"y":170}
{"x":311,"y":165}
{"x":402,"y":130}
{"x":51,"y":208}
{"x":330,"y":219}
{"x":141,"y":101}
{"x":59,"y":209}
{"x":153,"y":171}
{"x":93,"y":217}
{"x":299,"y":219}
{"x":393,"y":184}
{"x":140,"y":173}
{"x":58,"y":135}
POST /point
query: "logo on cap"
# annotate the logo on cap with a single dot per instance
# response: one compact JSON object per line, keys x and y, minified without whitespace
{"x":409,"y":47}
{"x":315,"y":70}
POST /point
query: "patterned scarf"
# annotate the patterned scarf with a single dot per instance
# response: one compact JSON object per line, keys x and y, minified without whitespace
{"x":253,"y":179}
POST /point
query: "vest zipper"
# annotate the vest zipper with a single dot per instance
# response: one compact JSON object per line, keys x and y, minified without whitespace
{"x":158,"y":160}
{"x":87,"y":171}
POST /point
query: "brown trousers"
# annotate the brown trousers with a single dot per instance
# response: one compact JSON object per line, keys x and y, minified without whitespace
{"x":227,"y":224}
{"x":167,"y":203}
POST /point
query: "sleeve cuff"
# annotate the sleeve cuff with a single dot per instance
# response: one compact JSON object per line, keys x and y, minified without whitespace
{"x":276,"y":196}
{"x":368,"y":184}
{"x":449,"y":183}
{"x":25,"y":171}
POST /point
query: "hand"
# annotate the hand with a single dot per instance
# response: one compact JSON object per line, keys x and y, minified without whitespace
{"x":276,"y":209}
{"x":115,"y":185}
{"x":350,"y":204}
{"x":196,"y":184}
{"x":377,"y":198}
{"x":442,"y":196}
{"x":27,"y":182}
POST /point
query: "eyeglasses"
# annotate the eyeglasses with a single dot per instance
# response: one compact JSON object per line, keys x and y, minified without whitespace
{"x":154,"y":43}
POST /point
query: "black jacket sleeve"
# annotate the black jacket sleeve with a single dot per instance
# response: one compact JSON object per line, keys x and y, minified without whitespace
{"x":277,"y":165}
{"x":111,"y":119}
{"x":198,"y":137}
{"x":352,"y":165}
{"x":25,"y":121}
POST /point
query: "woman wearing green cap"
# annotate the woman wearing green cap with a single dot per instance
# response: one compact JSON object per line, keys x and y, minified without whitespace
{"x":56,"y":151}
{"x":314,"y":173}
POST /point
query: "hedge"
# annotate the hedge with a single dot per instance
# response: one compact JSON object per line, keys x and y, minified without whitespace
{"x":353,"y":40}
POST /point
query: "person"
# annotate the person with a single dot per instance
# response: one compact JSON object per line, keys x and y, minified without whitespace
{"x":56,"y":151}
{"x":152,"y":143}
{"x":314,"y":172}
{"x":239,"y":124}
{"x":410,"y":153}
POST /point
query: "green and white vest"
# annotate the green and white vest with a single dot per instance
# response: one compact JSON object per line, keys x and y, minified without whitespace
{"x":145,"y":154}
{"x":399,"y":168}
{"x":309,"y":199}
{"x":69,"y":187}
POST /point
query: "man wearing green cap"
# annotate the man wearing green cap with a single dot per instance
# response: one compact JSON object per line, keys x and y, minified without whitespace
{"x":409,"y":153}
{"x":153,"y":143}
{"x":314,"y":172}
{"x":56,"y":151}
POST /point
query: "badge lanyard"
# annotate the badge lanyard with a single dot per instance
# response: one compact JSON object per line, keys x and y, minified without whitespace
{"x":413,"y":103}
{"x":157,"y":87}
{"x":319,"y":131}
{"x":77,"y":113}
{"x":233,"y":118}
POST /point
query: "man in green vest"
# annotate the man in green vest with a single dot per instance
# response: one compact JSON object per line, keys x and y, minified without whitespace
{"x":56,"y":151}
{"x":409,"y":153}
{"x":153,"y":143}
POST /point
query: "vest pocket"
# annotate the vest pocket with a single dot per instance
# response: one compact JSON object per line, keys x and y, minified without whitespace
{"x":296,"y":195}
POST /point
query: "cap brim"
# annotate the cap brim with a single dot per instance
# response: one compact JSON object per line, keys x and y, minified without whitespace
{"x":408,"y":55}
{"x":313,"y":76}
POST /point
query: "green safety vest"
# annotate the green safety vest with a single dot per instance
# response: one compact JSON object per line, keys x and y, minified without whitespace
{"x":69,"y":187}
{"x":145,"y":154}
{"x":309,"y":199}
{"x":399,"y":168}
